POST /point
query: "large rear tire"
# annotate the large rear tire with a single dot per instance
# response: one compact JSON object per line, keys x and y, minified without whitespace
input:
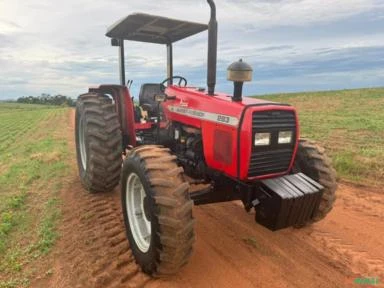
{"x":157,"y":210}
{"x":313,"y":162}
{"x":98,"y":142}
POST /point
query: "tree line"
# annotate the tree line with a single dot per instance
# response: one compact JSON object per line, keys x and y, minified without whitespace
{"x":47,"y":99}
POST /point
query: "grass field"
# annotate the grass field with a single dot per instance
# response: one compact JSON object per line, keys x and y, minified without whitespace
{"x":350,"y":124}
{"x":33,"y":149}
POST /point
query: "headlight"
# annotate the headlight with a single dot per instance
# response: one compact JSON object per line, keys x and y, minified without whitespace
{"x":262,"y":139}
{"x":285,"y":137}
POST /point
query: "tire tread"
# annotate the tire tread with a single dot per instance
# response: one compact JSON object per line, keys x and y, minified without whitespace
{"x":312,"y":161}
{"x":104,"y":142}
{"x":173,"y":208}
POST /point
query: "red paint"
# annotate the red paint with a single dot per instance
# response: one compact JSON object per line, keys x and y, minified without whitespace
{"x":123,"y":102}
{"x":223,"y":104}
{"x":220,"y":104}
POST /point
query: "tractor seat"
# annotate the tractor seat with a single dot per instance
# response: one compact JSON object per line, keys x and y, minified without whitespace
{"x":147,"y":98}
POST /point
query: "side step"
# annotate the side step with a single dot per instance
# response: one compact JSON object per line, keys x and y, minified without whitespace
{"x":289,"y":200}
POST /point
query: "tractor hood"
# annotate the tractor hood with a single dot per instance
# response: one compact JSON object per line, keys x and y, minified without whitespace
{"x":229,"y":129}
{"x":193,"y":102}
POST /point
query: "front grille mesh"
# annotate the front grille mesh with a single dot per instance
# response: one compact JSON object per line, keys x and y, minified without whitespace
{"x":263,"y":163}
{"x":274,"y":158}
{"x":273,"y":120}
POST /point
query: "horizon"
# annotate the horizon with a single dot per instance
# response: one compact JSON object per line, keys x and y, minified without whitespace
{"x":254,"y":95}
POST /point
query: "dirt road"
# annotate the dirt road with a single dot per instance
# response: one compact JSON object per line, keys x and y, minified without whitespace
{"x":231,"y":250}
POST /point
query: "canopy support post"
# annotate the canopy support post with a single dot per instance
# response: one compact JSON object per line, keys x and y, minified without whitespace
{"x":121,"y":62}
{"x":169,"y":63}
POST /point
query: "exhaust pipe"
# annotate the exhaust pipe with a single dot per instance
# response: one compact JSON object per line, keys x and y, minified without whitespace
{"x":212,"y":49}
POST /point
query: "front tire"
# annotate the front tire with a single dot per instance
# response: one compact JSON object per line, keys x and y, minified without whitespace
{"x":98,"y":142}
{"x":157,"y":210}
{"x":313,"y":162}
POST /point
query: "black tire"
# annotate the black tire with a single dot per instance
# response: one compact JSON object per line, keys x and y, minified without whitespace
{"x":313,"y":162}
{"x":168,"y":206}
{"x":97,"y":121}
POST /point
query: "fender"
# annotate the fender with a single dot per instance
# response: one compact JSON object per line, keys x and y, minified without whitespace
{"x":125,"y":109}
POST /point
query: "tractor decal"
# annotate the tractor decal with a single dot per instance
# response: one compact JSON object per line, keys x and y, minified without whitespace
{"x":213,"y":117}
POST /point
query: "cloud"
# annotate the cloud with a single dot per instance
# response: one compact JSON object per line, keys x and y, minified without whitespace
{"x":59,"y":46}
{"x":259,"y":15}
{"x":7,"y":26}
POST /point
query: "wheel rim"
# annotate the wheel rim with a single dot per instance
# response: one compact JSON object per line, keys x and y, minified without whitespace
{"x":138,"y":220}
{"x":83,"y":150}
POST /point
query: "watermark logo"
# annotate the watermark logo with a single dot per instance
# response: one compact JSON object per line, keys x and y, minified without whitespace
{"x":366,"y":281}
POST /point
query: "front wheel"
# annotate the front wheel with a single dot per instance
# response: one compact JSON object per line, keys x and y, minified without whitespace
{"x":157,"y":210}
{"x":312,"y":161}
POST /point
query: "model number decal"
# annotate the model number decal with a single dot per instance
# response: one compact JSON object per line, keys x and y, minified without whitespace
{"x":218,"y":118}
{"x":222,"y":118}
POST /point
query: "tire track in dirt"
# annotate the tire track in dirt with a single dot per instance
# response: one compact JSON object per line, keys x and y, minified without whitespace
{"x":364,"y":202}
{"x":97,"y":253}
{"x":352,"y":237}
{"x":93,"y":250}
{"x":341,"y":252}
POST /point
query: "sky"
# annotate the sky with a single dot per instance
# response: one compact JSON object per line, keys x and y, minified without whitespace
{"x":50,"y":46}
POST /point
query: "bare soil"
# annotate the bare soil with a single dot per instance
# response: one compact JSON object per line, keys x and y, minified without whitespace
{"x":231,"y":250}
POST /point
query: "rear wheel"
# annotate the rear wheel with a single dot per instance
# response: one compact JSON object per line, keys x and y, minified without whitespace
{"x":98,"y":142}
{"x":313,"y":162}
{"x":157,"y":210}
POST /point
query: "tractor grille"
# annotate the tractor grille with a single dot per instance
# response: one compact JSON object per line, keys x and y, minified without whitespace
{"x":263,"y":163}
{"x":274,"y":158}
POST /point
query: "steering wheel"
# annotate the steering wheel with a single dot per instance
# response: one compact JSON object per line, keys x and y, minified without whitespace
{"x":181,"y":80}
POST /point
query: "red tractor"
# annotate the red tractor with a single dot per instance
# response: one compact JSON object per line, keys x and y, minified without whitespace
{"x":227,"y":147}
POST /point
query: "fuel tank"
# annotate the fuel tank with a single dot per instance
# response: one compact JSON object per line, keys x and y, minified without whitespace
{"x":229,"y":130}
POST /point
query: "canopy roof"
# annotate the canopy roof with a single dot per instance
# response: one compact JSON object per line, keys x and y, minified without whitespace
{"x":153,"y":29}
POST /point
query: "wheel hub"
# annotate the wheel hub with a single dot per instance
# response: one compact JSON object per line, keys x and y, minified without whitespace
{"x":137,"y":207}
{"x":83,"y":150}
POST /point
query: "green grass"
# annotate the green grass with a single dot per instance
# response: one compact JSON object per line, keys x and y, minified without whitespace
{"x":33,"y":160}
{"x":47,"y":227}
{"x":350,"y":124}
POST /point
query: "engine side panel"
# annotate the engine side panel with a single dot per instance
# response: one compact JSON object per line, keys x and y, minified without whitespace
{"x":220,"y":153}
